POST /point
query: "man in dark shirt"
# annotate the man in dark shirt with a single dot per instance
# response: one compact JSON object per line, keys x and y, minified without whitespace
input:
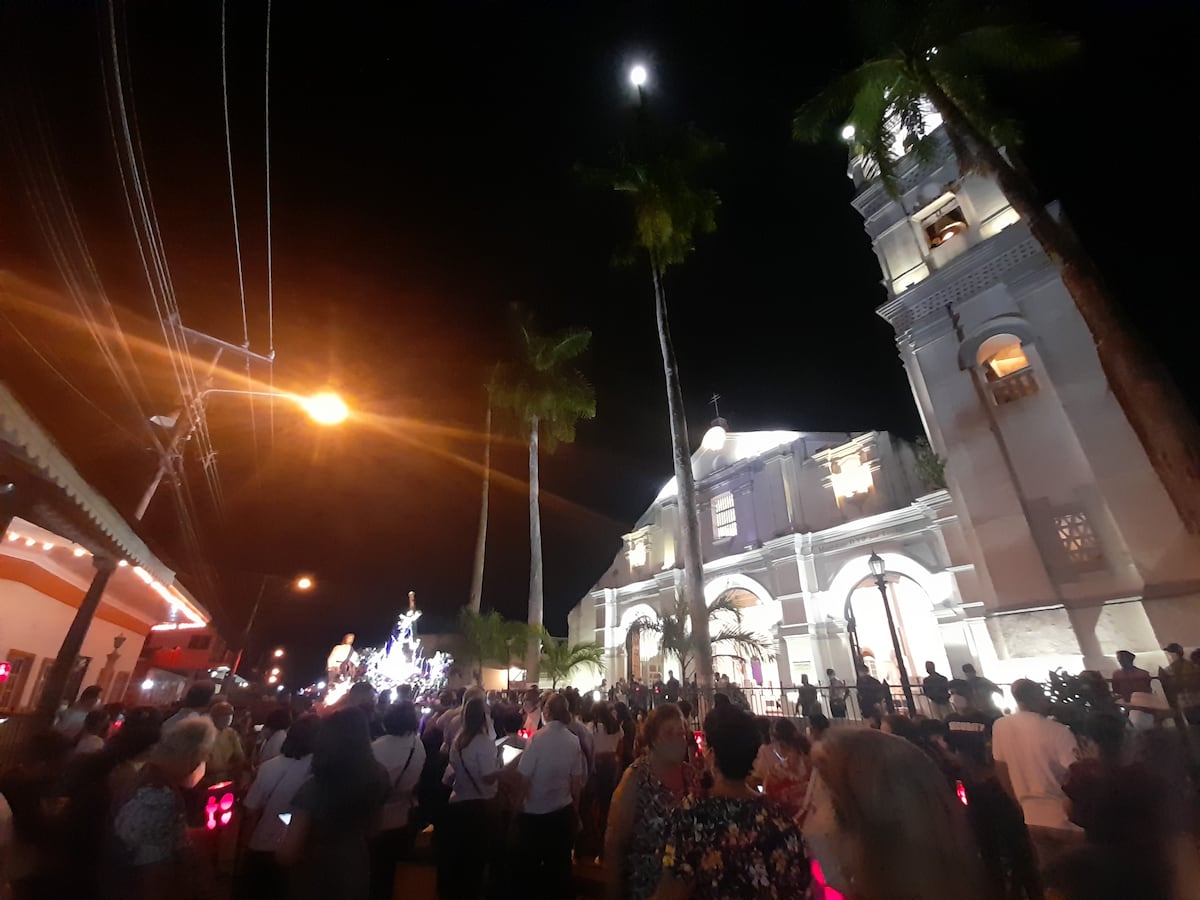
{"x":936,"y":688}
{"x":871,"y":694}
{"x":1129,"y":679}
{"x":983,"y":691}
{"x":810,"y":705}
{"x":671,"y":689}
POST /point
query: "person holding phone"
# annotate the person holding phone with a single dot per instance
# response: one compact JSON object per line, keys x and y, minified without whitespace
{"x":268,"y":811}
{"x":401,"y":752}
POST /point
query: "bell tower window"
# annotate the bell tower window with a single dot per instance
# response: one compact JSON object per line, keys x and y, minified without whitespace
{"x":943,"y":221}
{"x":1006,"y":369}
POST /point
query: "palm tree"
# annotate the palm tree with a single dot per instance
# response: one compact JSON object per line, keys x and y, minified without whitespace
{"x":489,"y":637}
{"x":941,"y":53}
{"x":669,"y":213}
{"x":677,"y":639}
{"x":561,"y":658}
{"x":476,"y":595}
{"x":548,"y":396}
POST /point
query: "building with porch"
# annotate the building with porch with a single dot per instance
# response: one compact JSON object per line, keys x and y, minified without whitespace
{"x":78,"y":587}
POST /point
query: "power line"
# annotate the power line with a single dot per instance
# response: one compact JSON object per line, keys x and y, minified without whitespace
{"x":237,"y":236}
{"x":270,"y":266}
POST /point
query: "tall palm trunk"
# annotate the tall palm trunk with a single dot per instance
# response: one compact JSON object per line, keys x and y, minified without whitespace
{"x":481,"y":540}
{"x":689,"y":514}
{"x":533,"y":655}
{"x":1168,"y":431}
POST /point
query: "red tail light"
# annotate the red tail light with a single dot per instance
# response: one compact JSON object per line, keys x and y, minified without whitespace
{"x":961,"y":790}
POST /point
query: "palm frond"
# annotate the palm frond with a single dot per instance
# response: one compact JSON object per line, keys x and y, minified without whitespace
{"x":847,"y":100}
{"x":744,"y":644}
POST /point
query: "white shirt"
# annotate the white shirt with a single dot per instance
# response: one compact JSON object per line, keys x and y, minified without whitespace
{"x":403,"y":756}
{"x":273,"y":745}
{"x":272,"y":792}
{"x":1037,"y":752}
{"x":340,"y":654}
{"x":89,"y":743}
{"x":470,"y":766}
{"x":602,"y":741}
{"x":552,"y":762}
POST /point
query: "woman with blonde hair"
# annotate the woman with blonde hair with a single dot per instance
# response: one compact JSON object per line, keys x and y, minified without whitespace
{"x":883,"y":823}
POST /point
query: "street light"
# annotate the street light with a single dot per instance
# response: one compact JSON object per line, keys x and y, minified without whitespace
{"x":304,"y":583}
{"x":878,"y":571}
{"x":638,"y":76}
{"x":324,"y":408}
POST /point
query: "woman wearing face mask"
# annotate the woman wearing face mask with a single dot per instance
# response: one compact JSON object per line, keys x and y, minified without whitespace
{"x":150,"y":826}
{"x":653,"y":787}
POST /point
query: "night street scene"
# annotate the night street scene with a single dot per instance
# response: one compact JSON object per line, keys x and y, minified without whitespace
{"x":632,"y":450}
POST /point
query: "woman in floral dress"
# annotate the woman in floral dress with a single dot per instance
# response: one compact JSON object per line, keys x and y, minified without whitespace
{"x":653,"y":787}
{"x":734,"y":843}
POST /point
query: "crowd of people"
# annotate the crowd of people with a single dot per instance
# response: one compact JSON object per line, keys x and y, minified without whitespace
{"x":518,"y":792}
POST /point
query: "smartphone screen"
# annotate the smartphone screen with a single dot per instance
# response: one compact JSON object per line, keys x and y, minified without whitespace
{"x":508,"y":753}
{"x":285,"y":818}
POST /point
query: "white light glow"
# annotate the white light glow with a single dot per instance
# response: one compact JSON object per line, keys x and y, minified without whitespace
{"x":326,"y":408}
{"x":275,"y":671}
{"x":850,"y":477}
{"x":304,"y":583}
{"x":999,"y":222}
{"x":638,"y":75}
{"x":714,"y":438}
{"x":272,"y":680}
{"x":280,"y":688}
{"x":597,"y":696}
{"x":278,"y":652}
{"x":29,"y":542}
{"x":848,"y":133}
{"x":148,"y":684}
{"x":320,"y":685}
{"x":637,"y":553}
{"x":78,"y":551}
{"x":47,"y":546}
{"x":124,"y":564}
{"x":12,"y":535}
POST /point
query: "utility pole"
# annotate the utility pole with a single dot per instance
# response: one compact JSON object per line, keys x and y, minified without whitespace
{"x":188,"y":416}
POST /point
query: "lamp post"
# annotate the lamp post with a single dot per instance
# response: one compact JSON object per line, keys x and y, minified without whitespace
{"x":878,"y":570}
{"x":302,"y":584}
{"x":324,"y":408}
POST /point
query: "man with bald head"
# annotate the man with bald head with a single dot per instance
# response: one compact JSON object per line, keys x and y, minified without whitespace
{"x":553,"y":768}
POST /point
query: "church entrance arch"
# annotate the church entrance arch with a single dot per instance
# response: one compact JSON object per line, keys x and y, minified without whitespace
{"x":912,"y":607}
{"x":761,"y":615}
{"x":642,"y":656}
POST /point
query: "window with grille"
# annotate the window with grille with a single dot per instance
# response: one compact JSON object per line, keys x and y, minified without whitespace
{"x":1077,"y":538}
{"x":724,"y":516}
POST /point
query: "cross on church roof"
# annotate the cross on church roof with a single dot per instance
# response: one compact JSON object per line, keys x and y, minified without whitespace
{"x":713,"y":401}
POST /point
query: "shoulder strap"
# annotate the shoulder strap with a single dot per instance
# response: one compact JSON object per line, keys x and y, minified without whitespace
{"x":462,"y":759}
{"x":411,"y":751}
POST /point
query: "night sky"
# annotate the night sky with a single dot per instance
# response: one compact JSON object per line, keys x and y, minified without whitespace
{"x":424,"y":180}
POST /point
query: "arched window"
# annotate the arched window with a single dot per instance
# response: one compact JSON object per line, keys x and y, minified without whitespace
{"x":1006,"y":368}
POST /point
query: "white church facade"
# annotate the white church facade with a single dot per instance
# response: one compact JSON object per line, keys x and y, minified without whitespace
{"x":1053,"y":543}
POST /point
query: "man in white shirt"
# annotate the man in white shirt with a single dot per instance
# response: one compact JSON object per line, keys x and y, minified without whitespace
{"x":343,"y":661}
{"x":553,"y":768}
{"x":1032,"y":756}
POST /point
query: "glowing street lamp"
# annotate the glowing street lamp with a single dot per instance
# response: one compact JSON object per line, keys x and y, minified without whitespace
{"x":325,"y":408}
{"x":638,"y":76}
{"x":304,"y":583}
{"x":278,"y":653}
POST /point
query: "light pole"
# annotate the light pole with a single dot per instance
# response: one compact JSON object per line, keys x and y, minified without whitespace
{"x":324,"y":408}
{"x":302,"y":584}
{"x":878,"y":570}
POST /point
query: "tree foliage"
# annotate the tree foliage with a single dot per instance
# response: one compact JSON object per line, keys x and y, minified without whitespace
{"x":921,"y":52}
{"x":561,"y":659}
{"x":729,"y":635}
{"x":542,"y":382}
{"x":490,"y":638}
